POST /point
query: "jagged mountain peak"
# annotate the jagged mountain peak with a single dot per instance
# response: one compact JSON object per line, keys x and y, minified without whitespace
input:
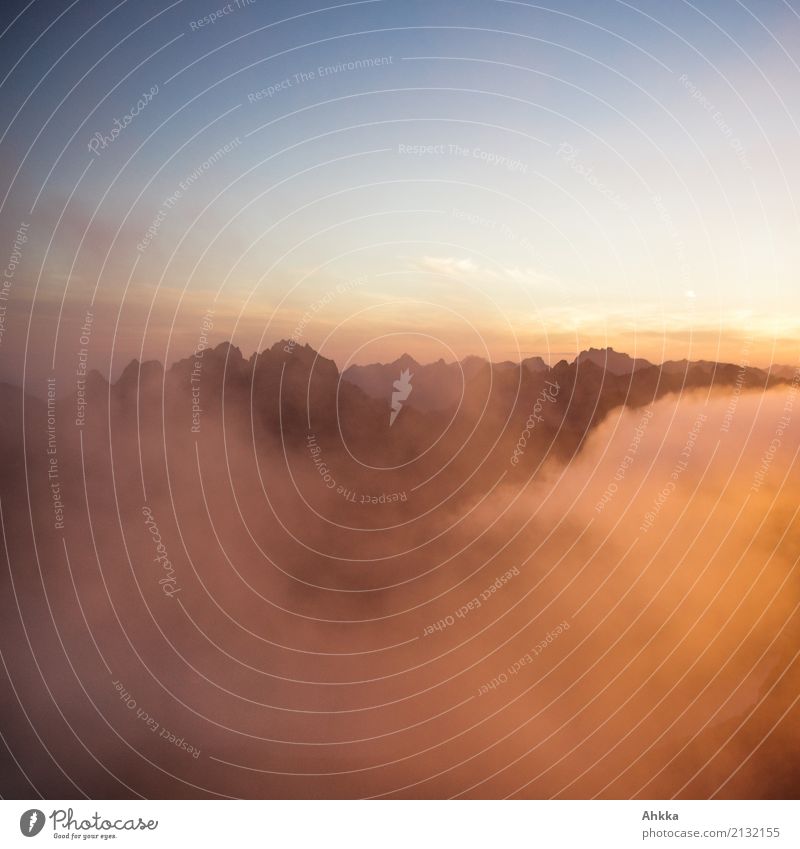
{"x":611,"y":360}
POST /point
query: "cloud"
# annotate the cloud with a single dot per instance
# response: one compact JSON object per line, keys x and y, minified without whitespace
{"x":465,"y":268}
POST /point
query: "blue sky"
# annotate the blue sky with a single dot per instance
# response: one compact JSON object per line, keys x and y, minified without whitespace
{"x":598,"y":172}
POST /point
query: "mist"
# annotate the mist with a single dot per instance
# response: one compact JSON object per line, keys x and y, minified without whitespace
{"x":286,"y":596}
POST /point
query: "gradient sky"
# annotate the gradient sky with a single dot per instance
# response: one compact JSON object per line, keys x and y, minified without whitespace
{"x":604,"y":173}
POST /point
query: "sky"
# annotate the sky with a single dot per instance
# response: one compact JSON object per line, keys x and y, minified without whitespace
{"x":444,"y":178}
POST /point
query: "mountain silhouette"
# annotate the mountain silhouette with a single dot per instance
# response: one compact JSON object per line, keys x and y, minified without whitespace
{"x":612,"y":361}
{"x":465,"y":416}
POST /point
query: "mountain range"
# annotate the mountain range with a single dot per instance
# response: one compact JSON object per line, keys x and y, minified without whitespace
{"x":464,"y":415}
